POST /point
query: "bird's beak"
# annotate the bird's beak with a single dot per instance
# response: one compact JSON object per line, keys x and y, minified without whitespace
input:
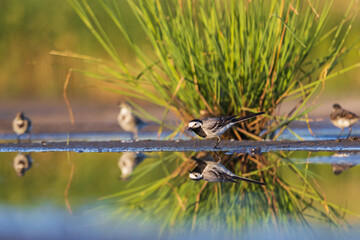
{"x":189,"y":171}
{"x":189,"y":129}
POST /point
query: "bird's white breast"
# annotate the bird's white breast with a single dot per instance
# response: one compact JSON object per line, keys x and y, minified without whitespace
{"x":344,"y":122}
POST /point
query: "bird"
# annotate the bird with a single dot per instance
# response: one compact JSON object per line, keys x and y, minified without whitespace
{"x":22,"y":163}
{"x":128,"y":121}
{"x":215,"y":126}
{"x":213,"y":171}
{"x":342,"y":118}
{"x":128,"y":161}
{"x":21,"y":125}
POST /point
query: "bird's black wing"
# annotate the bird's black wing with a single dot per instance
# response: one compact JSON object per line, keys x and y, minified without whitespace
{"x":219,"y":176}
{"x":222,"y":121}
{"x":342,"y":113}
{"x":347,"y":114}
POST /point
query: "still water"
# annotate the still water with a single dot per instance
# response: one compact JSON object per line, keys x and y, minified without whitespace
{"x":150,"y":195}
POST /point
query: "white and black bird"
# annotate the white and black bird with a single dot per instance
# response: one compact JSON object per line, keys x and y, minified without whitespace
{"x":128,"y":121}
{"x":128,"y":161}
{"x":342,"y":118}
{"x":216,"y":126}
{"x":212,"y":171}
{"x":22,"y":163}
{"x":21,"y":125}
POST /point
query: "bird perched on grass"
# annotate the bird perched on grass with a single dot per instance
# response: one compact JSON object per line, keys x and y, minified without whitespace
{"x":342,"y":118}
{"x":21,"y":125}
{"x":128,"y":121}
{"x":128,"y":161}
{"x":212,"y":171}
{"x":22,"y":163}
{"x":216,"y":126}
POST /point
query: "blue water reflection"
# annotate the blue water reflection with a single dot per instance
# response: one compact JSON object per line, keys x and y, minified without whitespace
{"x":322,"y":130}
{"x":51,"y":222}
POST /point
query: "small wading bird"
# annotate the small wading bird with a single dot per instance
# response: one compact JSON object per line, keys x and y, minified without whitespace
{"x":22,"y":163}
{"x":21,"y":125}
{"x":216,"y":126}
{"x":212,"y":171}
{"x":128,"y":161}
{"x":128,"y":121}
{"x":342,"y":118}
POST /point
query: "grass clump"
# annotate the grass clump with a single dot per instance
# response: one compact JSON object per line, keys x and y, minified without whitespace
{"x":182,"y":205}
{"x":223,"y":57}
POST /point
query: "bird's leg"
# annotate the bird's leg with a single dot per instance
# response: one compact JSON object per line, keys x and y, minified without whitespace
{"x":135,"y":135}
{"x":349,"y":133}
{"x":218,"y":141}
{"x":218,"y":157}
{"x":29,"y":137}
{"x":342,"y":130}
{"x":18,"y":138}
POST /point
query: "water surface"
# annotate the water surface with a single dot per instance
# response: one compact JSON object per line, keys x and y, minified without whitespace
{"x":116,"y":195}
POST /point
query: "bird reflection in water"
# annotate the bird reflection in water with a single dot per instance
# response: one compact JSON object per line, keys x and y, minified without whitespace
{"x":128,"y":161}
{"x":341,"y":166}
{"x":22,"y":163}
{"x":215,"y":171}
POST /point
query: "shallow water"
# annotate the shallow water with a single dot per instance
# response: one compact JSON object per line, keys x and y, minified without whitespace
{"x":323,"y":133}
{"x":89,"y":136}
{"x":104,"y":195}
{"x":111,"y":190}
{"x":322,"y":130}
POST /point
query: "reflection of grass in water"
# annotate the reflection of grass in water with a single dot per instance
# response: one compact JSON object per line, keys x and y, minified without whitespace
{"x":179,"y":203}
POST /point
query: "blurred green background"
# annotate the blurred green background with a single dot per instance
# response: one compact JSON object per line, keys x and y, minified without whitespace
{"x":30,"y":29}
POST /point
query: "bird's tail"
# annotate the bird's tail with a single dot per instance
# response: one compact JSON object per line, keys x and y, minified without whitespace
{"x":248,"y":180}
{"x":247,"y":117}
